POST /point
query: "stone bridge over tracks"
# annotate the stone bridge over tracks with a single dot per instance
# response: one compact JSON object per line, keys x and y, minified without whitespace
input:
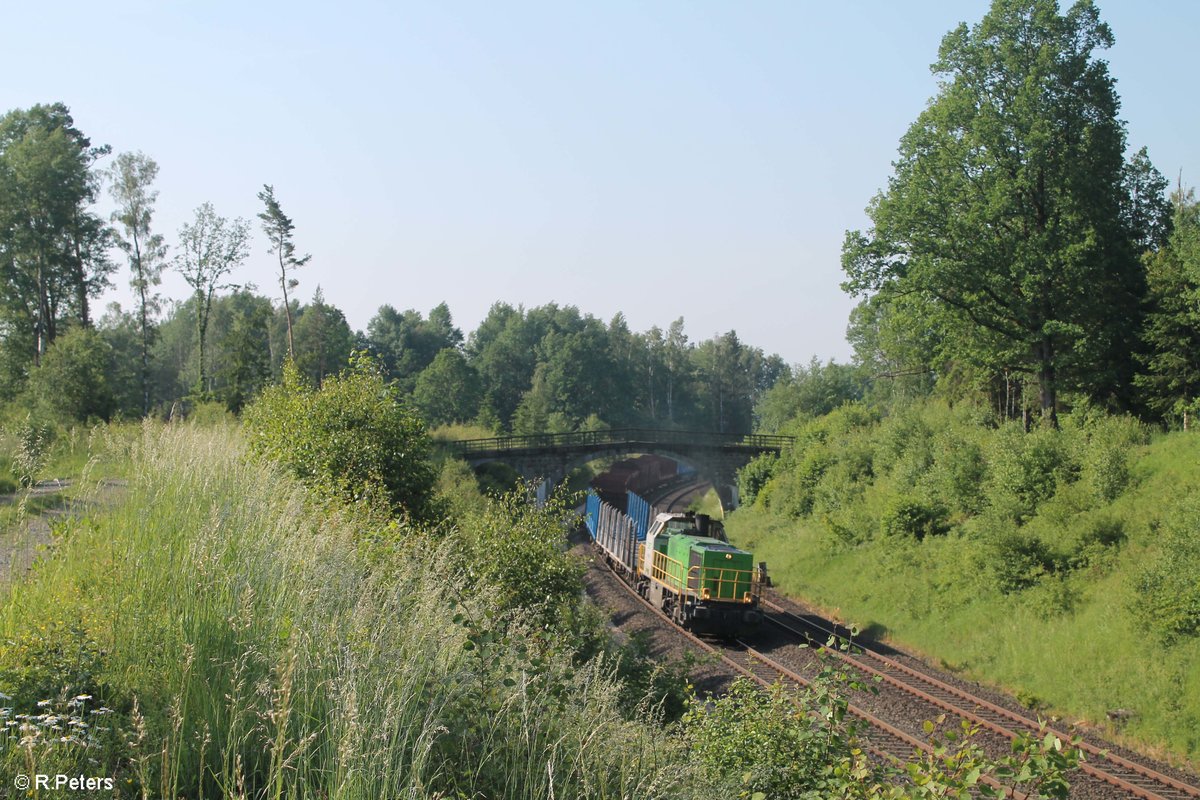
{"x":547,"y":458}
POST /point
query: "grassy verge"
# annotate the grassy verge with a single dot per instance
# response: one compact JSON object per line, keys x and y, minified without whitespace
{"x":241,"y":642}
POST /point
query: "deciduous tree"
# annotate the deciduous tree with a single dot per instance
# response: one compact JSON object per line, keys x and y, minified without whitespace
{"x":407,"y":343}
{"x":130,"y":178}
{"x":210,"y":248}
{"x":53,"y":250}
{"x":1007,"y":218}
{"x":448,"y":389}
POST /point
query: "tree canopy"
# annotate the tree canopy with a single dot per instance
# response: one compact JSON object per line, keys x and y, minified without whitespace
{"x":210,"y":247}
{"x":1008,"y":228}
{"x":53,"y":249}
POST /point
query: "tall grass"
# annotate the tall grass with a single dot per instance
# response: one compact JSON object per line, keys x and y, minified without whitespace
{"x":249,"y":647}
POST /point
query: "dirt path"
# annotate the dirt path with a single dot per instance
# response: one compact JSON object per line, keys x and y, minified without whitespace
{"x":24,"y":541}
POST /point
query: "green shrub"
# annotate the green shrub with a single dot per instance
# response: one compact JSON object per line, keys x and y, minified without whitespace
{"x":1027,"y":468}
{"x":516,"y":553}
{"x":497,"y":479}
{"x":354,"y":437}
{"x":1015,"y":559}
{"x":1166,"y":596}
{"x":816,"y":460}
{"x":754,"y":476}
{"x":1105,"y":454}
{"x":903,"y":437}
{"x":73,"y":379}
{"x":210,"y":412}
{"x":1092,"y":540}
{"x":912,"y":518}
{"x":959,"y":472}
{"x":1054,"y":596}
{"x":458,"y":488}
{"x":773,"y":744}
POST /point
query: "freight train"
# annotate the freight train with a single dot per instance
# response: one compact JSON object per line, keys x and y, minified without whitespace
{"x":681,"y":562}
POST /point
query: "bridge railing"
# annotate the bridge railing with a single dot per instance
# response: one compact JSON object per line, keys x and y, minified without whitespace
{"x":624,"y":436}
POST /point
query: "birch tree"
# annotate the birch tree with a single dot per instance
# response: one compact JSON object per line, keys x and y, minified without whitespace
{"x":210,"y":248}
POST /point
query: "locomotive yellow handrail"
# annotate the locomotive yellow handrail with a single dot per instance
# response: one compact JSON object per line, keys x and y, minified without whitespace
{"x":724,"y":586}
{"x":660,"y":570}
{"x":700,"y":581}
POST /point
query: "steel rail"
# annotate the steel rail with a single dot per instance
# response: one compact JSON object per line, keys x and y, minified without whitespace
{"x":1174,"y":789}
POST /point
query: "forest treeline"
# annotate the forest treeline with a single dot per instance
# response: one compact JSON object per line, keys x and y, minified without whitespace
{"x":1022,"y":254}
{"x":531,"y":370}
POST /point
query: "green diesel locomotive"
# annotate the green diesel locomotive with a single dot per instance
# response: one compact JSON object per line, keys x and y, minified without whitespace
{"x":684,"y":566}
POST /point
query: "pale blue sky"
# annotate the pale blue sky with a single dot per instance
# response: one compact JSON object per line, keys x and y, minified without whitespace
{"x":658,"y":158}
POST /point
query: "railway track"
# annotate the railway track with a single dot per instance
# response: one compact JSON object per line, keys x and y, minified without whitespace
{"x":881,"y":739}
{"x":669,"y":499}
{"x":1136,"y":780}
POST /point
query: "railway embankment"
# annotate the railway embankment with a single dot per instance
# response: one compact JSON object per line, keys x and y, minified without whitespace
{"x":1060,"y":565}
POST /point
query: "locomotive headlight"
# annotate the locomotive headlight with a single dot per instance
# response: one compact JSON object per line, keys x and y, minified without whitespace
{"x":729,"y":556}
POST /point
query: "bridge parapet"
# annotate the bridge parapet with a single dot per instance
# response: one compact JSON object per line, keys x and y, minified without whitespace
{"x":547,"y":458}
{"x":623,"y":437}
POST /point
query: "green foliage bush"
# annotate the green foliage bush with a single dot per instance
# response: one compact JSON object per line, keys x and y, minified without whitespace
{"x":838,"y":500}
{"x":1105,"y":450}
{"x":1015,"y":559}
{"x":1026,"y":468}
{"x":808,"y":473}
{"x":903,"y":436}
{"x":774,"y":744}
{"x":755,"y":475}
{"x":784,"y":745}
{"x":497,"y":479}
{"x":913,"y":518}
{"x":1166,"y":597}
{"x":210,"y":412}
{"x":72,"y":382}
{"x":516,"y":554}
{"x":354,"y":438}
{"x":1091,"y":540}
{"x":959,"y":471}
{"x":458,"y":488}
